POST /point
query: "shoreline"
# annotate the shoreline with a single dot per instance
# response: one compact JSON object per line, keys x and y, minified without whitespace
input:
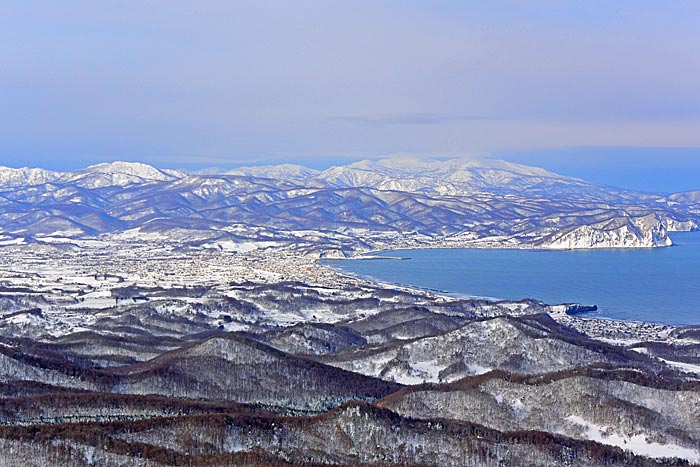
{"x":624,"y":333}
{"x":520,"y":247}
{"x":169,"y":266}
{"x":442,"y":293}
{"x":591,"y":315}
{"x":496,"y":246}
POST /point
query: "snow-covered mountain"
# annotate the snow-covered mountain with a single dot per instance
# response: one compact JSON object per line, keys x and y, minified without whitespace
{"x":96,"y":176}
{"x":119,"y":174}
{"x":359,"y":206}
{"x":279,"y":172}
{"x":451,"y":177}
{"x":24,"y":176}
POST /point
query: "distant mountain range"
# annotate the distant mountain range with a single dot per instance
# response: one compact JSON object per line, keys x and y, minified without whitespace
{"x":355,"y":207}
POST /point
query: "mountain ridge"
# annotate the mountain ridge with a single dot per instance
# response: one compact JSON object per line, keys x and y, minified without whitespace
{"x":360,"y":206}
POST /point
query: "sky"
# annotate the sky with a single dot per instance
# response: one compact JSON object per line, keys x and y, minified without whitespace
{"x":598,"y":87}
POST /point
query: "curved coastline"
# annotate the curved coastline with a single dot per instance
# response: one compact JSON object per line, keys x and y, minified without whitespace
{"x":400,"y":285}
{"x":617,"y":301}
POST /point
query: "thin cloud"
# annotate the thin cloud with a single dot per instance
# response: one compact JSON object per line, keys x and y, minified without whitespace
{"x":408,"y":119}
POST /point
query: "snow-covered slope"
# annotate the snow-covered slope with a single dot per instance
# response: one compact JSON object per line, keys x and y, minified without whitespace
{"x":574,"y":404}
{"x":500,"y":343}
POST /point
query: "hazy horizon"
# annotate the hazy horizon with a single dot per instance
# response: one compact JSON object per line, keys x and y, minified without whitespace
{"x":216,"y":83}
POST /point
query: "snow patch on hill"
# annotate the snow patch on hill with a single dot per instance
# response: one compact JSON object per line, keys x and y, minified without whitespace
{"x":637,"y":444}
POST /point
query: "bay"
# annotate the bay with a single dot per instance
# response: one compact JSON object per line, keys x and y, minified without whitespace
{"x":659,"y":285}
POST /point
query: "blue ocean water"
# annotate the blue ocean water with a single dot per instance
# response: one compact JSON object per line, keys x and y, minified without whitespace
{"x":658,"y":285}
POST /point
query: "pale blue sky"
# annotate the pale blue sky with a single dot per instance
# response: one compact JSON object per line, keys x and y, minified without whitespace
{"x":203,"y":83}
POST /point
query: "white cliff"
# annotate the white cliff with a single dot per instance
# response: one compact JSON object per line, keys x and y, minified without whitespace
{"x":626,"y":232}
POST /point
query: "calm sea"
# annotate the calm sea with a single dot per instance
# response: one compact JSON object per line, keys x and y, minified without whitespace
{"x":658,"y":285}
